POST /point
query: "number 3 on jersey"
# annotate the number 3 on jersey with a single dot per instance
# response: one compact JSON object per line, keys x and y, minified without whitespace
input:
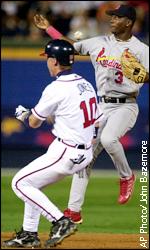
{"x":119,"y":78}
{"x":89,"y":118}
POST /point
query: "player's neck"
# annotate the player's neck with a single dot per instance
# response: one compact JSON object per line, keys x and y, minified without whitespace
{"x":64,"y":72}
{"x":123,"y":37}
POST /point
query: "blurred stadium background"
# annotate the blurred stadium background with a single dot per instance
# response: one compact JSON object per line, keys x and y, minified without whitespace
{"x":25,"y":75}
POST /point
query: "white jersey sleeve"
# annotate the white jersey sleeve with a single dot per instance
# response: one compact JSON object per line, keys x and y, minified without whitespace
{"x":48,"y":102}
{"x":83,"y":47}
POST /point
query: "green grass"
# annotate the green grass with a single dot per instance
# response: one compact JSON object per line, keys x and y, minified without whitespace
{"x":101,"y":213}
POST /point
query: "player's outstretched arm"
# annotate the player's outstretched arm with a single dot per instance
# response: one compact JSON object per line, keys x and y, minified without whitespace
{"x":42,"y":23}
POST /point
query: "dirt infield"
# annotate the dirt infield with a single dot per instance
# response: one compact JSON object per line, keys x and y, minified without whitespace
{"x":93,"y":241}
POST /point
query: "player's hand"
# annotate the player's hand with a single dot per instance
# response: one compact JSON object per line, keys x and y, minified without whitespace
{"x":41,"y":22}
{"x":21,"y":113}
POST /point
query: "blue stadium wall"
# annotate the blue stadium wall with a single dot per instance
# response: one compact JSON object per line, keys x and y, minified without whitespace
{"x":22,"y":83}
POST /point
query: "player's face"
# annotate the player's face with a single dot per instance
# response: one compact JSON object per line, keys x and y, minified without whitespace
{"x":118,"y":24}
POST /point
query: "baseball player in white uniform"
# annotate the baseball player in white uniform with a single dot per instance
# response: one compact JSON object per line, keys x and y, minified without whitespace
{"x":117,"y":97}
{"x":72,"y":101}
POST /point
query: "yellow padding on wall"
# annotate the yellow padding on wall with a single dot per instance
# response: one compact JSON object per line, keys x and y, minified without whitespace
{"x":21,"y":53}
{"x":29,"y":54}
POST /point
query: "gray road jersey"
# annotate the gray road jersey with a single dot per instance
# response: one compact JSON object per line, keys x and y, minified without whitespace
{"x":105,"y":52}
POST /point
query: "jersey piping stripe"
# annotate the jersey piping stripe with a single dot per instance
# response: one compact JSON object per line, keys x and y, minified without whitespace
{"x":70,"y":80}
{"x":40,"y":116}
{"x":16,"y":184}
{"x":98,"y":117}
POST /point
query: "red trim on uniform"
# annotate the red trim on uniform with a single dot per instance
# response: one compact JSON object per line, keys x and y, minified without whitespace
{"x":73,"y":146}
{"x":16,"y":185}
{"x":38,"y":114}
{"x":69,"y":80}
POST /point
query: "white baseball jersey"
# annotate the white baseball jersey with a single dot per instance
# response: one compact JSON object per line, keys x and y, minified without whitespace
{"x":105,"y":52}
{"x":72,"y":100}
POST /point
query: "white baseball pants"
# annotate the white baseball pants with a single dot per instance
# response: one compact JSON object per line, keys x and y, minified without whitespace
{"x":59,"y":161}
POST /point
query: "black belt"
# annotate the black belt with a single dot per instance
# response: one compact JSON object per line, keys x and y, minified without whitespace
{"x":79,"y":146}
{"x":108,"y":99}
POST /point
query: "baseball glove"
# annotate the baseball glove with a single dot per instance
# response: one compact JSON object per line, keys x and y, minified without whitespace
{"x":132,"y":68}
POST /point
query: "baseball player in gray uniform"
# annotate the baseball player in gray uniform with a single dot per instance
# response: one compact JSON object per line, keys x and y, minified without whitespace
{"x":117,"y":97}
{"x":72,"y":101}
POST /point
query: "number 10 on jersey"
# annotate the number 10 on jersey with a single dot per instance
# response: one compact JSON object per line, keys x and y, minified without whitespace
{"x":89,"y":116}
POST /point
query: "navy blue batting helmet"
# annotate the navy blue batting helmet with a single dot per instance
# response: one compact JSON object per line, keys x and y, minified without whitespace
{"x":62,"y":50}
